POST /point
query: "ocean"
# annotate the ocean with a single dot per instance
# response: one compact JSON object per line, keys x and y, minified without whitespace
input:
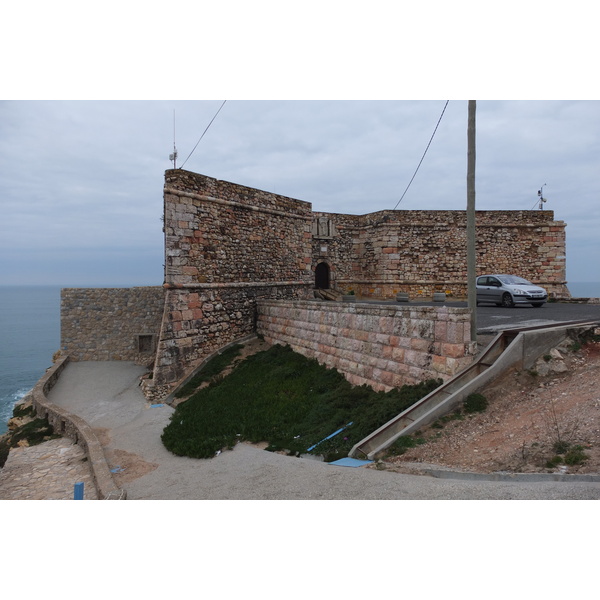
{"x":30,"y":335}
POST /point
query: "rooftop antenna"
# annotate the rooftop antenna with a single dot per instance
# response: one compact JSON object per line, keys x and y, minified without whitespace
{"x":541,"y":197}
{"x":173,"y":157}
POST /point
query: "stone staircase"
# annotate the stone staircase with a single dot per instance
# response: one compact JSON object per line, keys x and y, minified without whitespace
{"x":329,"y":294}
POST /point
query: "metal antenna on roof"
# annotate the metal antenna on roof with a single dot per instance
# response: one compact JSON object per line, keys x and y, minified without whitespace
{"x":173,"y":157}
{"x":541,"y":197}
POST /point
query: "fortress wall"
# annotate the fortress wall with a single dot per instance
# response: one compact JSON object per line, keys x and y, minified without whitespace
{"x":201,"y":320}
{"x":220,"y":232}
{"x":111,"y":323}
{"x":381,"y":346}
{"x":420,"y":252}
{"x":226,"y":245}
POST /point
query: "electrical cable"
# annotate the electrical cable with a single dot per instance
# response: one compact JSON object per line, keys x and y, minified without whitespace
{"x":222,"y":105}
{"x":424,"y":153}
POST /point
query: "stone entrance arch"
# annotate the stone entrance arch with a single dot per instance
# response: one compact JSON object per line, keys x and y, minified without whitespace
{"x":322,"y":276}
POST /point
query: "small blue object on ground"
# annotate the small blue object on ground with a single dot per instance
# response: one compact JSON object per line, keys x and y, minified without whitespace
{"x":156,"y":405}
{"x":329,"y":436}
{"x":78,"y":491}
{"x":350,"y":462}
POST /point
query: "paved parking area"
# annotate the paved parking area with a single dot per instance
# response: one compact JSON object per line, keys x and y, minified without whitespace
{"x":491,"y":318}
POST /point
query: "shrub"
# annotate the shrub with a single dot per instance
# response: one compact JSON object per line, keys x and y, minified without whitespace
{"x":553,"y":462}
{"x":475,"y":403}
{"x":287,"y":400}
{"x":560,"y":447}
{"x":210,"y":370}
{"x":23,"y":410}
{"x":575,"y":456}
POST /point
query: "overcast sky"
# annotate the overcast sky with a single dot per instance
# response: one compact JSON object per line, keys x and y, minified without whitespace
{"x":81,"y":173}
{"x":81,"y":181}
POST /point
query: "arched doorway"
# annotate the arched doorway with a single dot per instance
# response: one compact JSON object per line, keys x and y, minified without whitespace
{"x":322,"y":276}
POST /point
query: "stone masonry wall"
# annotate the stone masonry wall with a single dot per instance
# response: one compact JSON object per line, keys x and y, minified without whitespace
{"x":379,"y":345}
{"x":226,"y":245}
{"x":421,"y":252}
{"x":220,"y":232}
{"x":200,"y":321}
{"x":111,"y":323}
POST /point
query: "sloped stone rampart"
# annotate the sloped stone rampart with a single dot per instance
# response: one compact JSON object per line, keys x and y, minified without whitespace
{"x":201,"y":320}
{"x":381,"y":346}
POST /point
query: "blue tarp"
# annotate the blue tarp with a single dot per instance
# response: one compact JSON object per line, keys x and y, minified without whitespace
{"x":350,"y":462}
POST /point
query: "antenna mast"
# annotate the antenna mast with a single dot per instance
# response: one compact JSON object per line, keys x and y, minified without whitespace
{"x":173,"y":157}
{"x":542,"y":199}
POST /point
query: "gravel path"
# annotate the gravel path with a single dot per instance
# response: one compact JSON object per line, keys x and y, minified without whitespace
{"x":107,"y":396}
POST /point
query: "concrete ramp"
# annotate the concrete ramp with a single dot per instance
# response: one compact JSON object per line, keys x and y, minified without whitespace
{"x":519,"y":347}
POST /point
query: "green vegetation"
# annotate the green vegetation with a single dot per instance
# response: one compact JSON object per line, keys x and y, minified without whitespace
{"x":287,"y":400}
{"x":403,"y":443}
{"x":560,"y":446}
{"x":212,"y":369}
{"x":554,"y":462}
{"x":475,"y":403}
{"x":573,"y":455}
{"x":454,"y":416}
{"x":33,"y":430}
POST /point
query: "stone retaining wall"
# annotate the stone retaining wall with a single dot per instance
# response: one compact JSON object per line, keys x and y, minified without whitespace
{"x":75,"y":428}
{"x":111,"y":323}
{"x":381,"y":346}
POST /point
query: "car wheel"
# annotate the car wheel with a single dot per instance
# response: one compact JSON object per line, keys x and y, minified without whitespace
{"x":507,"y":300}
{"x":537,"y":304}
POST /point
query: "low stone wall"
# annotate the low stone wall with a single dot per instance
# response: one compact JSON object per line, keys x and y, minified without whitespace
{"x":381,"y":346}
{"x":111,"y":323}
{"x":75,"y":428}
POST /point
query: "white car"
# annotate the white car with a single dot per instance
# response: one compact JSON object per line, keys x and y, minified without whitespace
{"x":508,"y":290}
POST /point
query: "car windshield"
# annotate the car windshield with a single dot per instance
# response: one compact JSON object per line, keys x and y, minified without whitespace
{"x":513,"y":280}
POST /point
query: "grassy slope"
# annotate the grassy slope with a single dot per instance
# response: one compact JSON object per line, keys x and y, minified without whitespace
{"x":285,"y":399}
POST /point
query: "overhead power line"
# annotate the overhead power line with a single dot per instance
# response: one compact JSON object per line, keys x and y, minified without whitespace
{"x":207,"y":127}
{"x":424,"y":153}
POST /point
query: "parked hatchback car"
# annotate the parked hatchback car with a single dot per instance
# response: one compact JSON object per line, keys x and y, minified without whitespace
{"x":508,"y":290}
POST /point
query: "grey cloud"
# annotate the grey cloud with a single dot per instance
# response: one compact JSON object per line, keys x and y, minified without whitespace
{"x":87,"y":177}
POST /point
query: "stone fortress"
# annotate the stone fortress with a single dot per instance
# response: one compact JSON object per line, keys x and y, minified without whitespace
{"x":241,"y":261}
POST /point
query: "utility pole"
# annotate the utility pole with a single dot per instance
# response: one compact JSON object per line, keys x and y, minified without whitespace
{"x":471,"y":272}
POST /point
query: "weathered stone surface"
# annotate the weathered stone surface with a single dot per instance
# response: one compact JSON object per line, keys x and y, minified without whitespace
{"x":228,"y":247}
{"x":362,"y":353}
{"x":106,"y":323}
